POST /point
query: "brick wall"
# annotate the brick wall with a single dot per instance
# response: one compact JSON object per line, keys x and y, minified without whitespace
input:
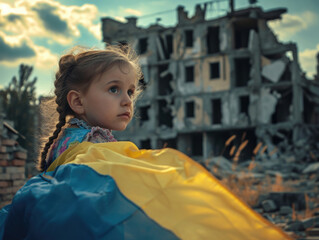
{"x":12,"y":165}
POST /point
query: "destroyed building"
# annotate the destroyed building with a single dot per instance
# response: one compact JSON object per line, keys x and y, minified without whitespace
{"x":209,"y":79}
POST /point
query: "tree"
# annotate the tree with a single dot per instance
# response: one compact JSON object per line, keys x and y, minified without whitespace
{"x":19,"y":105}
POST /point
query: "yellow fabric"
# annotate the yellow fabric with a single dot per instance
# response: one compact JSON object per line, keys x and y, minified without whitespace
{"x":174,"y":191}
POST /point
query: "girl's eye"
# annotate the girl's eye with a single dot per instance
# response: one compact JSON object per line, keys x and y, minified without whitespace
{"x":114,"y":90}
{"x":130,"y":93}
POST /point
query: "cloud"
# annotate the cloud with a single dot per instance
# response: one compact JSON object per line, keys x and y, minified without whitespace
{"x":18,"y":49}
{"x":49,"y":19}
{"x":11,"y":52}
{"x":133,"y":11}
{"x":289,"y":25}
{"x":307,"y":60}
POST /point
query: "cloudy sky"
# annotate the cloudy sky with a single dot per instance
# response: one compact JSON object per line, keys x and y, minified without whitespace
{"x":37,"y":32}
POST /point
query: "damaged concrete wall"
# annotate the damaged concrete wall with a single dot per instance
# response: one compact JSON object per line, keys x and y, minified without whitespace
{"x":207,"y":80}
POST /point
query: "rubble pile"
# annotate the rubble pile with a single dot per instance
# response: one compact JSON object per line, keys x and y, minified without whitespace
{"x":282,"y":188}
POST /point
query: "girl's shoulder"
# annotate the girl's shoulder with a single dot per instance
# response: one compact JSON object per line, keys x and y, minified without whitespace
{"x":69,"y":137}
{"x":99,"y":135}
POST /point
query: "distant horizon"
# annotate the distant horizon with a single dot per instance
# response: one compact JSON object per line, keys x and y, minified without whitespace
{"x":37,"y":32}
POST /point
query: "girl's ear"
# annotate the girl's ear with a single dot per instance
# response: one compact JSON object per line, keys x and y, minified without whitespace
{"x":75,"y":101}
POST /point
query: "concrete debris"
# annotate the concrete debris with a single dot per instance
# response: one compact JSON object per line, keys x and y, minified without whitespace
{"x":274,"y":71}
{"x":269,"y":206}
{"x":312,"y":168}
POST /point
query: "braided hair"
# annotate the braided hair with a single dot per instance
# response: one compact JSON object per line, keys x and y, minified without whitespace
{"x":77,"y":70}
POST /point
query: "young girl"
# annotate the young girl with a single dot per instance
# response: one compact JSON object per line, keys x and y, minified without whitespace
{"x":93,"y":187}
{"x":97,"y":89}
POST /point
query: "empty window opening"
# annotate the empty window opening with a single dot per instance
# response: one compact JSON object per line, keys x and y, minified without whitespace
{"x":242,"y":71}
{"x":214,"y":70}
{"x":190,"y":109}
{"x":212,"y":40}
{"x":286,"y":76}
{"x":169,"y":44}
{"x":283,"y":107}
{"x":216,"y":111}
{"x":197,"y":144}
{"x":310,"y":111}
{"x":164,"y":83}
{"x":144,"y":113}
{"x":282,"y":136}
{"x":142,"y":45}
{"x":146,"y":144}
{"x":242,"y":29}
{"x":189,"y":38}
{"x":244,"y":104}
{"x":189,"y":74}
{"x":164,"y":114}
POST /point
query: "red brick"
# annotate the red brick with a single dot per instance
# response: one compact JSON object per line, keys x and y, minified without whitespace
{"x":9,"y":142}
{"x":18,"y":162}
{"x":4,"y":156}
{"x":3,"y":149}
{"x":6,"y":190}
{"x":18,"y":183}
{"x":15,"y":176}
{"x":20,"y":155}
{"x":4,"y":163}
{"x":4,"y":184}
{"x":5,"y":176}
{"x":13,"y":169}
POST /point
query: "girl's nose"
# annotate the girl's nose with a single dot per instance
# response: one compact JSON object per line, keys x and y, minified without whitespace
{"x":126,"y":101}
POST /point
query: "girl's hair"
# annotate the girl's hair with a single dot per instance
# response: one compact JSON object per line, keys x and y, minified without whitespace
{"x":77,"y":70}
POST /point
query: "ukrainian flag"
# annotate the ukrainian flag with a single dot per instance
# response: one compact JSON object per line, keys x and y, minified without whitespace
{"x":116,"y":191}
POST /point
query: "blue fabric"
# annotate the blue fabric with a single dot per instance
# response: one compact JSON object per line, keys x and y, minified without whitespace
{"x":75,"y":202}
{"x":69,"y":136}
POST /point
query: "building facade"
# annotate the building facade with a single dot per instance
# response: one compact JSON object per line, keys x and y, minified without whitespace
{"x":223,"y":86}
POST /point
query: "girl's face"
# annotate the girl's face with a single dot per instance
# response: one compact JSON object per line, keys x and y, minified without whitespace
{"x":108,"y":101}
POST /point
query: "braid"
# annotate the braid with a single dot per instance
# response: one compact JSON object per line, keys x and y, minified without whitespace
{"x":47,"y":146}
{"x":62,"y":108}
